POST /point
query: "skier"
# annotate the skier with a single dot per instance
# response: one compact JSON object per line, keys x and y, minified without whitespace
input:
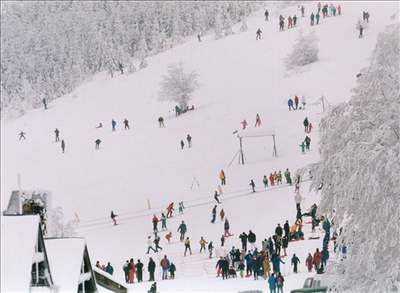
{"x":258,"y":34}
{"x":312,"y":18}
{"x":139,"y":271}
{"x":189,"y":140}
{"x":187,"y":246}
{"x":295,"y":262}
{"x":57,"y":132}
{"x":226,"y":228}
{"x":258,"y":120}
{"x":113,"y":124}
{"x":182,"y":230}
{"x":161,"y":122}
{"x":44,"y":102}
{"x":113,"y":216}
{"x":170,"y":208}
{"x":163,"y":222}
{"x":150,"y":245}
{"x":309,"y":262}
{"x":157,"y":242}
{"x":214,"y":214}
{"x":294,"y":20}
{"x":22,"y":135}
{"x":303,"y":102}
{"x":97,"y":142}
{"x":251,"y":237}
{"x":63,"y":146}
{"x":243,"y":239}
{"x":296,"y":101}
{"x":307,"y":140}
{"x":253,"y":185}
{"x":172,"y":270}
{"x":222,"y":177}
{"x":210,"y":249}
{"x":182,"y":144}
{"x":290,"y":104}
{"x":180,"y":207}
{"x":222,"y":214}
{"x":151,"y":267}
{"x":244,"y":124}
{"x":126,"y":124}
{"x":155,"y":223}
{"x":202,"y":243}
{"x":216,"y":195}
{"x":305,"y":123}
{"x":302,"y":11}
{"x":266,"y":14}
{"x":265,"y":181}
{"x":164,"y":263}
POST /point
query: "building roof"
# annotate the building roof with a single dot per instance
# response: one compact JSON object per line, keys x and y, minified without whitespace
{"x":65,"y":257}
{"x":19,"y":235}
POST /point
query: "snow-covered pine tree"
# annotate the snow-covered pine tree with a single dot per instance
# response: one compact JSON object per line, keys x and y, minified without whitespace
{"x":305,"y":51}
{"x":360,"y":171}
{"x":178,"y":85}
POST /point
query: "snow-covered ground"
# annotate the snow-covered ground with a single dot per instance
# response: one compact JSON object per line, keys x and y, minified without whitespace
{"x":239,"y":77}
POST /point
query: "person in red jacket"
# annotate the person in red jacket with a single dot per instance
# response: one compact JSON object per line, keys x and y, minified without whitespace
{"x":296,"y":101}
{"x":258,"y":120}
{"x":168,"y":236}
{"x":317,"y":259}
{"x":155,"y":222}
{"x":272,"y":179}
{"x":132,"y":271}
{"x":170,"y":208}
{"x":309,"y":262}
{"x":289,"y":22}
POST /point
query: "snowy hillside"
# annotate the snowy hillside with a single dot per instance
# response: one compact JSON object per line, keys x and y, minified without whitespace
{"x":239,"y":77}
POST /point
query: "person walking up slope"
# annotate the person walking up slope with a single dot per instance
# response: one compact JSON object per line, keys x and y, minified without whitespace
{"x":253,"y":185}
{"x":187,"y":246}
{"x":57,"y":132}
{"x":258,"y":34}
{"x":226,"y":228}
{"x":222,"y":177}
{"x":182,"y":230}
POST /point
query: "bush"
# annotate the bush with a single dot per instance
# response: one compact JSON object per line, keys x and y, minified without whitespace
{"x":305,"y":51}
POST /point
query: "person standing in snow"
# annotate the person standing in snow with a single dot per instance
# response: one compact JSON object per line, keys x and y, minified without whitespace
{"x":170,"y":208}
{"x":272,"y":179}
{"x":155,"y":223}
{"x":222,"y":214}
{"x":151,"y":267}
{"x":161,"y":122}
{"x":251,"y":237}
{"x":126,"y":124}
{"x":163,"y":222}
{"x":258,"y":34}
{"x":265,"y":181}
{"x":276,"y":261}
{"x":113,"y":124}
{"x":243,"y":239}
{"x":182,"y":144}
{"x":164,"y":263}
{"x":226,"y":228}
{"x":222,"y":177}
{"x":289,"y":22}
{"x":266,"y":14}
{"x":139,"y":271}
{"x":222,"y":240}
{"x":309,"y":262}
{"x":189,"y":140}
{"x":168,"y":236}
{"x":44,"y":102}
{"x":216,"y":195}
{"x":199,"y":37}
{"x":187,"y":246}
{"x":97,"y":144}
{"x":279,"y":282}
{"x":244,"y":124}
{"x":317,"y":17}
{"x":113,"y":216}
{"x":258,"y":121}
{"x":57,"y":132}
{"x":63,"y":146}
{"x":202,"y":243}
{"x":361,"y":29}
{"x":296,"y":102}
{"x":214,"y":214}
{"x":22,"y":135}
{"x":312,"y":19}
{"x":157,"y":242}
{"x":182,"y":230}
{"x":172,"y":270}
{"x":281,"y":23}
{"x":210,"y":249}
{"x":180,"y":207}
{"x":303,"y":147}
{"x":294,"y":20}
{"x":150,"y":245}
{"x":305,"y":123}
{"x":307,"y":140}
{"x":302,"y":11}
{"x":295,"y":262}
{"x":339,"y":9}
{"x":286,"y":228}
{"x":290,"y":104}
{"x":272,"y":279}
{"x":125,"y":268}
{"x":287,"y":177}
{"x":253,"y":185}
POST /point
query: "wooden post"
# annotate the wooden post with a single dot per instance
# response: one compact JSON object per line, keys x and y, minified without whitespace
{"x":241,"y":156}
{"x":274,"y":153}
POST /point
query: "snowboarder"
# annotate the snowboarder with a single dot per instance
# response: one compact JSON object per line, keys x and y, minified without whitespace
{"x":214,"y":214}
{"x":265,"y":181}
{"x":139,"y":271}
{"x":113,"y":216}
{"x":290,"y":104}
{"x":202,"y":243}
{"x":187,"y":246}
{"x":22,"y":135}
{"x":126,"y":124}
{"x":113,"y":124}
{"x":258,"y":120}
{"x":189,"y":140}
{"x":244,"y":124}
{"x":222,"y":177}
{"x":226,"y":228}
{"x":295,"y":262}
{"x":266,"y":14}
{"x":258,"y":34}
{"x":312,"y":19}
{"x":44,"y":102}
{"x":307,"y":140}
{"x":182,"y":230}
{"x":97,"y":142}
{"x":150,"y":245}
{"x":253,"y":185}
{"x":57,"y":132}
{"x":305,"y":123}
{"x":161,"y":122}
{"x":151,"y":267}
{"x":216,"y":195}
{"x":302,"y":11}
{"x":164,"y":263}
{"x":182,"y":144}
{"x":63,"y":146}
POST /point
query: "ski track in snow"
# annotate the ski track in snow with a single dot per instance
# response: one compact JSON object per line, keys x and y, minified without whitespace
{"x":239,"y":77}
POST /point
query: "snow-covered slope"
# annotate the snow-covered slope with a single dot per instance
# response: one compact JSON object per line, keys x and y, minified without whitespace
{"x":239,"y":77}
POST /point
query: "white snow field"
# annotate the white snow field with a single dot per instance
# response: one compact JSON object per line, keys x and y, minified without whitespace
{"x":239,"y":77}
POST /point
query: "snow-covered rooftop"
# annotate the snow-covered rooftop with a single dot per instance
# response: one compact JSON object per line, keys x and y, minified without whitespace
{"x":18,"y":238}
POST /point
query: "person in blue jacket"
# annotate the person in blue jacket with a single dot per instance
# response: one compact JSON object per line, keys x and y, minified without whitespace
{"x":272,"y":283}
{"x":248,"y":259}
{"x":276,"y":263}
{"x":290,"y":104}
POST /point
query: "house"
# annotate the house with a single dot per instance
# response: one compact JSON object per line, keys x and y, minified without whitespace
{"x":70,"y":265}
{"x":24,"y":262}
